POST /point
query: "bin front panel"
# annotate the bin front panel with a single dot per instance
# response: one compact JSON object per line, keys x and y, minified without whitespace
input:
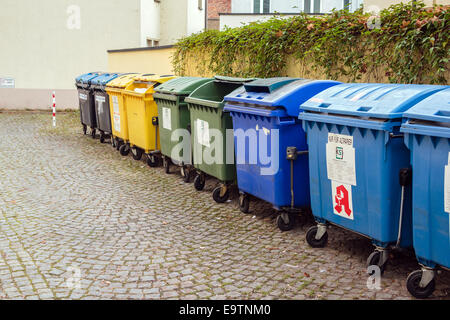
{"x":87,"y":109}
{"x":141,"y":131}
{"x":203,"y":120}
{"x":102,"y":111}
{"x":430,"y":159}
{"x":270,"y":180}
{"x":173,"y":115}
{"x":118,"y":111}
{"x":364,"y":194}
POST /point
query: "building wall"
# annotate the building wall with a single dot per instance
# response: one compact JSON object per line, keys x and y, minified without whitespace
{"x":144,"y":60}
{"x":377,"y":5}
{"x":42,"y":47}
{"x":150,"y":21}
{"x":195,"y":16}
{"x":214,"y":8}
{"x":237,"y":20}
{"x":173,"y":26}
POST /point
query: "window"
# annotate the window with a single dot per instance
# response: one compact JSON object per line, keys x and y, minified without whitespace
{"x":307,"y":6}
{"x":266,"y":6}
{"x":256,"y":6}
{"x":316,"y":6}
{"x":347,"y":5}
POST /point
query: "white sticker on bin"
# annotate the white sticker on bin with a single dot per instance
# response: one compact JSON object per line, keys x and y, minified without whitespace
{"x":340,"y":155}
{"x":116,"y":113}
{"x":167,"y":118}
{"x":202,"y":128}
{"x":342,"y":200}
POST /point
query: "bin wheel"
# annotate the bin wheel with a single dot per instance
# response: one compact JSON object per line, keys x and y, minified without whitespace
{"x":374,"y":260}
{"x":244,"y":203}
{"x":186,"y":174}
{"x":311,"y":238}
{"x":84,"y":129}
{"x":93,"y":133}
{"x":283,"y":226}
{"x":136,"y":153}
{"x":221,"y":198}
{"x":119,"y":144}
{"x":102,"y":137}
{"x":124,"y":150}
{"x":166,"y":165}
{"x":199,"y":182}
{"x":113,"y":142}
{"x":413,"y":285}
{"x":152,"y":161}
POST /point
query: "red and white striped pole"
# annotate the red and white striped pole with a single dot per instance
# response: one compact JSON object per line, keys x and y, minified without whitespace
{"x":54,"y":108}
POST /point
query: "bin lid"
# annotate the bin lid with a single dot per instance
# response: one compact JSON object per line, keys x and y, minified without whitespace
{"x":287,"y":93}
{"x":103,"y":79}
{"x":213,"y":92}
{"x":181,"y":86}
{"x":151,"y":77}
{"x":434,"y":108}
{"x":123,"y":80}
{"x":375,"y":100}
{"x":87,"y":77}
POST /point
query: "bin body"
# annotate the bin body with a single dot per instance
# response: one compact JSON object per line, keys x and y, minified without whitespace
{"x":101,"y":101}
{"x":207,"y":119}
{"x":174,"y":114}
{"x":86,"y":98}
{"x":268,"y":109}
{"x":427,"y":135}
{"x":141,"y":109}
{"x":117,"y":106}
{"x":355,"y":155}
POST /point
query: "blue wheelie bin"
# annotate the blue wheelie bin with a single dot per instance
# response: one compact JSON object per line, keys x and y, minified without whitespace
{"x":101,"y":104}
{"x":270,"y":144}
{"x":427,"y":135}
{"x":358,"y":164}
{"x":86,"y":99}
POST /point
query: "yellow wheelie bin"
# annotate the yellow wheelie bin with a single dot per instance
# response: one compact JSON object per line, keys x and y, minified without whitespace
{"x":118,"y":109}
{"x":142,"y":117}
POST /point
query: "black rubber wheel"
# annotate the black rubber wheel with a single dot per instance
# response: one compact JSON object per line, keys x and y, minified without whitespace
{"x":118,"y":144}
{"x":84,"y":129}
{"x":166,"y":165}
{"x":244,"y":203}
{"x":220,"y":199}
{"x":186,"y":174}
{"x":113,"y":142}
{"x":102,"y":137}
{"x":124,"y":150}
{"x":93,"y":133}
{"x":199,"y":182}
{"x":137,"y":153}
{"x":374,"y":260}
{"x":283,"y":226}
{"x":152,"y":161}
{"x":311,"y":238}
{"x":412,"y":284}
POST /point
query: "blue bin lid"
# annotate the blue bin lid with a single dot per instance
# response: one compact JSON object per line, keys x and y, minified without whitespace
{"x":288,"y":93}
{"x":434,"y":108}
{"x":87,"y":77}
{"x":375,"y":100}
{"x":103,"y":79}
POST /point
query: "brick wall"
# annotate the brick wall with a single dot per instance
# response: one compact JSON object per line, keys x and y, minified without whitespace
{"x":214,"y":8}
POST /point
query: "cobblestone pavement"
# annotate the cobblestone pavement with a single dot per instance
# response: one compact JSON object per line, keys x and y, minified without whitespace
{"x":77,"y":220}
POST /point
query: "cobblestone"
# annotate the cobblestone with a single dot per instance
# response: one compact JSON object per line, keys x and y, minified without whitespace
{"x":79,"y":221}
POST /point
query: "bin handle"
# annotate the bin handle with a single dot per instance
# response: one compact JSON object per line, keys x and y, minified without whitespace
{"x":286,"y":123}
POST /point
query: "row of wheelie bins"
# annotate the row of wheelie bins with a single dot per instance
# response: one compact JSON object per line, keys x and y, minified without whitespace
{"x":370,"y":158}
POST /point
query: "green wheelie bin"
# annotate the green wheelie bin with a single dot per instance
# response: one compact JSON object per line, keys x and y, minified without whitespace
{"x":175,"y":122}
{"x":212,"y":134}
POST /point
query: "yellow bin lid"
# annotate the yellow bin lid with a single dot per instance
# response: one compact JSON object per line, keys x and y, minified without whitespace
{"x":153,"y":78}
{"x":123,"y":80}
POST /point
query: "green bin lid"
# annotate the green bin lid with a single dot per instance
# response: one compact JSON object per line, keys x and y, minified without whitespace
{"x":181,"y":86}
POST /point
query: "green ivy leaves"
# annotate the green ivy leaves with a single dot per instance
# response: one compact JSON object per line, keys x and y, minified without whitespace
{"x":411,"y":44}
